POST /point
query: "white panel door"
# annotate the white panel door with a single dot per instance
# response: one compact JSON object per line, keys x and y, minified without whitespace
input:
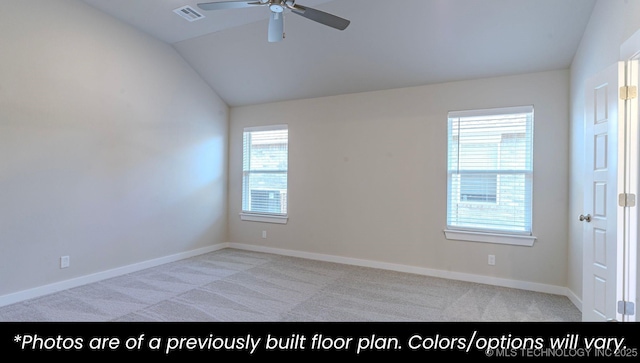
{"x":601,"y":277}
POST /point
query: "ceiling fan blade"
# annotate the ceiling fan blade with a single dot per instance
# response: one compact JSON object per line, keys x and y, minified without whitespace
{"x":221,"y":5}
{"x":276,"y":27}
{"x":321,"y":17}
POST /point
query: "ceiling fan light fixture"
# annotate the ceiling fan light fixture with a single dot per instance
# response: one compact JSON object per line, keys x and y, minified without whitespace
{"x":276,"y":8}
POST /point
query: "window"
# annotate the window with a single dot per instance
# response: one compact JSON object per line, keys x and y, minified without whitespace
{"x":490,"y":175}
{"x":478,"y":188}
{"x":265,"y":159}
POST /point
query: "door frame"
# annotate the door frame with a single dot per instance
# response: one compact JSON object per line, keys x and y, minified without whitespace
{"x":630,"y":54}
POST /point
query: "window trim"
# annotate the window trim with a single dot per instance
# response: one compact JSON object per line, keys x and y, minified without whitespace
{"x":490,"y":236}
{"x":499,"y":238}
{"x":264,"y":218}
{"x":250,"y":216}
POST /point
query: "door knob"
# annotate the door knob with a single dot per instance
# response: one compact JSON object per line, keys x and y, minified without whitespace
{"x":586,"y":218}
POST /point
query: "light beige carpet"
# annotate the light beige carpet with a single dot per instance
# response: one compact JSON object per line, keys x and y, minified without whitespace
{"x":241,"y":286}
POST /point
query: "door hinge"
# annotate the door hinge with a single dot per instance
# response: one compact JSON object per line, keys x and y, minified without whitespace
{"x":626,"y":308}
{"x":628,"y":92}
{"x":626,"y":200}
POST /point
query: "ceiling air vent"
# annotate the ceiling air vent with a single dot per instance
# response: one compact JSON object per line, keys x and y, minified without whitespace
{"x":188,"y":13}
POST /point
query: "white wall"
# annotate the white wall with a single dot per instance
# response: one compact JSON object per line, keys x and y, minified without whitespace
{"x":113,"y":151}
{"x":612,"y":22}
{"x":368,"y":177}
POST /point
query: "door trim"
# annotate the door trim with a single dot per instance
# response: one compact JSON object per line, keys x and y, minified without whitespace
{"x":630,"y":54}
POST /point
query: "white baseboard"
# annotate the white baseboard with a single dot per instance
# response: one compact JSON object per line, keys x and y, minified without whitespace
{"x":83,"y":280}
{"x":68,"y":284}
{"x":575,"y":299}
{"x":495,"y":281}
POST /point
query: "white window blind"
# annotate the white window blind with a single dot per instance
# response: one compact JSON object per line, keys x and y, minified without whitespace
{"x":264,"y":170}
{"x":490,"y":170}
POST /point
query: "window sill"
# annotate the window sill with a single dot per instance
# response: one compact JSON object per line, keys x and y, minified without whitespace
{"x":264,"y":218}
{"x":506,"y":239}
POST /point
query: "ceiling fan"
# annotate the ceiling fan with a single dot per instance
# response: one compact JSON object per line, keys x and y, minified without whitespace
{"x":277,"y":7}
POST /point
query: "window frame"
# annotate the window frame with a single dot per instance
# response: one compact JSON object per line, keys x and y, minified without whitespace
{"x":263,"y":217}
{"x":488,"y":235}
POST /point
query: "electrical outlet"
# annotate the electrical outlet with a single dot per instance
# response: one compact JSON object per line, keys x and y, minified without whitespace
{"x":264,"y":234}
{"x":64,"y":261}
{"x":492,"y":260}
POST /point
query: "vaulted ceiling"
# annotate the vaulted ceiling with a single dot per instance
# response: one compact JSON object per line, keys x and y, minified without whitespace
{"x":388,"y":44}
